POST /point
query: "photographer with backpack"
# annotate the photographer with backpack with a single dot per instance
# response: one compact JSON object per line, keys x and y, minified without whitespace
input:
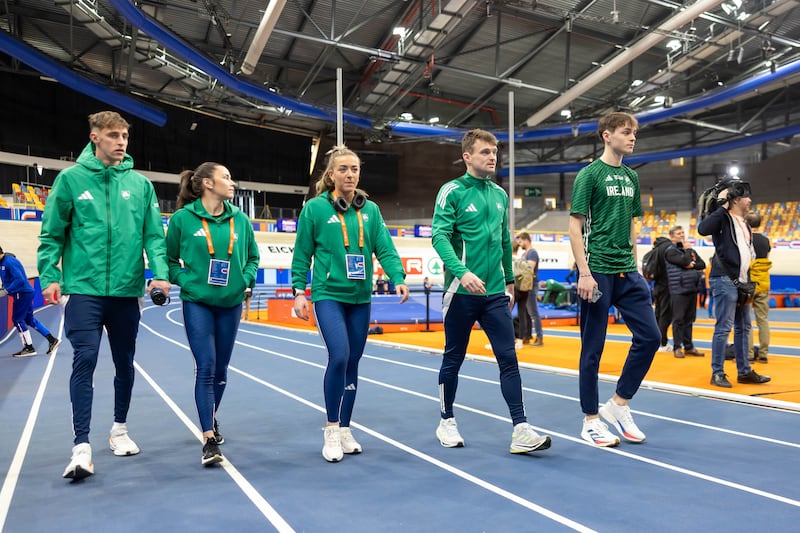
{"x":531,"y":256}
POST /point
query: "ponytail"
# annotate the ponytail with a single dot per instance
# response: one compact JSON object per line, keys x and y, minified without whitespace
{"x":191,"y":186}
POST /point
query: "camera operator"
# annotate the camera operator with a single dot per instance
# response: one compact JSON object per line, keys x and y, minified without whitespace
{"x":730,"y":267}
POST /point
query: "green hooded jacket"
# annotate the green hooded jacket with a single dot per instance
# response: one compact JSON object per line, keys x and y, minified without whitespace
{"x":186,"y":241}
{"x":319,"y":234}
{"x":97,"y":220}
{"x":470,"y":233}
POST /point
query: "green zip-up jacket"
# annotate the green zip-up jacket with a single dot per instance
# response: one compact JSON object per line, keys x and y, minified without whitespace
{"x":186,"y":241}
{"x":97,"y":220}
{"x":319,"y":234}
{"x":470,"y":233}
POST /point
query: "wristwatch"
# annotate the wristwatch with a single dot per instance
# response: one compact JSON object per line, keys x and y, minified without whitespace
{"x":297,"y":292}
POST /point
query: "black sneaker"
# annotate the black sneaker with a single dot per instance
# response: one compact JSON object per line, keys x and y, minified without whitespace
{"x":219,"y":438}
{"x":211,"y":453}
{"x":720,"y":380}
{"x":753,"y":378}
{"x":26,"y":351}
{"x":53,"y":344}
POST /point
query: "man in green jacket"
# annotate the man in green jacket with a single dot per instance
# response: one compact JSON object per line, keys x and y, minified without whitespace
{"x":98,"y":219}
{"x":471,"y":235}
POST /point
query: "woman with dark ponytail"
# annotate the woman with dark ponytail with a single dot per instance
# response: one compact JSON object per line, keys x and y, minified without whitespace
{"x":216,"y":244}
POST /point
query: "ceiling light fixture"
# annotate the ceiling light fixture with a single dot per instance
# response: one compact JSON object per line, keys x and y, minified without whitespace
{"x":674,"y":45}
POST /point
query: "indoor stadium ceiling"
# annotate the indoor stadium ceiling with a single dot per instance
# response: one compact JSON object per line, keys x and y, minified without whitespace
{"x":421,"y":68}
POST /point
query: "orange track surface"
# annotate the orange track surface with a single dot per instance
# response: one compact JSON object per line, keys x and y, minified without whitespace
{"x":563,"y":352}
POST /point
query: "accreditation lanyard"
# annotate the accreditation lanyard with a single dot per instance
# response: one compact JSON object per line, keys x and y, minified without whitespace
{"x":360,"y":231}
{"x":211,"y":244}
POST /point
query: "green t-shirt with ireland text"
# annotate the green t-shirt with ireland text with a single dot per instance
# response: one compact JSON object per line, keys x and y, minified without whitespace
{"x":609,"y":199}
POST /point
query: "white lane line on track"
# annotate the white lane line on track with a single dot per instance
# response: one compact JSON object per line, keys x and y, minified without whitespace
{"x":14,"y":469}
{"x":451,"y":469}
{"x":647,"y":460}
{"x":556,"y":395}
{"x":427,"y":458}
{"x":252,"y":494}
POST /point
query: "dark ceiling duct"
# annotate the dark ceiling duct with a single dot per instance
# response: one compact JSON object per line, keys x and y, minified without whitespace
{"x":46,"y":66}
{"x":186,"y":52}
{"x":718,"y":97}
{"x":639,"y":159}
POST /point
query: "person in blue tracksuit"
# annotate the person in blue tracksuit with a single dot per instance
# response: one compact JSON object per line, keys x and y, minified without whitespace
{"x":15,"y":283}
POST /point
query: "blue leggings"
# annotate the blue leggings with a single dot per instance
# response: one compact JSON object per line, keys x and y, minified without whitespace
{"x":22,"y":314}
{"x":211,"y":332}
{"x":343,"y":328}
{"x":492,"y":313}
{"x":84,"y":319}
{"x":629,"y":293}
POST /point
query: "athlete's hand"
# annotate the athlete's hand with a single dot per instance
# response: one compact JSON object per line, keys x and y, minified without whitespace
{"x":473,"y":283}
{"x":510,"y":293}
{"x":301,"y":308}
{"x":402,"y":291}
{"x":52,"y":293}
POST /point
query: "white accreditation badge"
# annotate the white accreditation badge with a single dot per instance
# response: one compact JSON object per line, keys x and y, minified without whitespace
{"x":355,"y":266}
{"x":218,"y":272}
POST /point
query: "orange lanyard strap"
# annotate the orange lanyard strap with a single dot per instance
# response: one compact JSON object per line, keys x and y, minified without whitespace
{"x":360,"y":231}
{"x":211,"y":244}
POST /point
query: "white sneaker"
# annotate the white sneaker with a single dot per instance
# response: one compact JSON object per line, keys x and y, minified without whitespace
{"x":517,"y":344}
{"x":525,"y":439}
{"x":81,"y":465}
{"x":596,"y":432}
{"x":666,"y":348}
{"x":332,"y":448}
{"x":620,"y":417}
{"x":448,"y":434}
{"x":349,"y":443}
{"x":120,"y":442}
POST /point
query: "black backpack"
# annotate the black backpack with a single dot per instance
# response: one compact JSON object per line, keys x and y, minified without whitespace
{"x":653,"y":261}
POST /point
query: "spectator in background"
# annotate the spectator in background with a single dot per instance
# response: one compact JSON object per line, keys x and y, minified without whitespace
{"x":759,"y":273}
{"x":702,"y":288}
{"x":16,"y":284}
{"x":532,"y":303}
{"x":99,"y":219}
{"x":522,"y":330}
{"x":661,"y":295}
{"x":730,"y":267}
{"x":572,"y":275}
{"x":684,"y":270}
{"x":381,"y":285}
{"x":709,"y":293}
{"x":341,"y":230}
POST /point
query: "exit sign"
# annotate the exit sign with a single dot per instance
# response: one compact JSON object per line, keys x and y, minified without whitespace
{"x":533,"y":191}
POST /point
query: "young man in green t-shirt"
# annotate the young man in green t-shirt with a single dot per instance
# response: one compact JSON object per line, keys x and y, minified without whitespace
{"x":602,"y":234}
